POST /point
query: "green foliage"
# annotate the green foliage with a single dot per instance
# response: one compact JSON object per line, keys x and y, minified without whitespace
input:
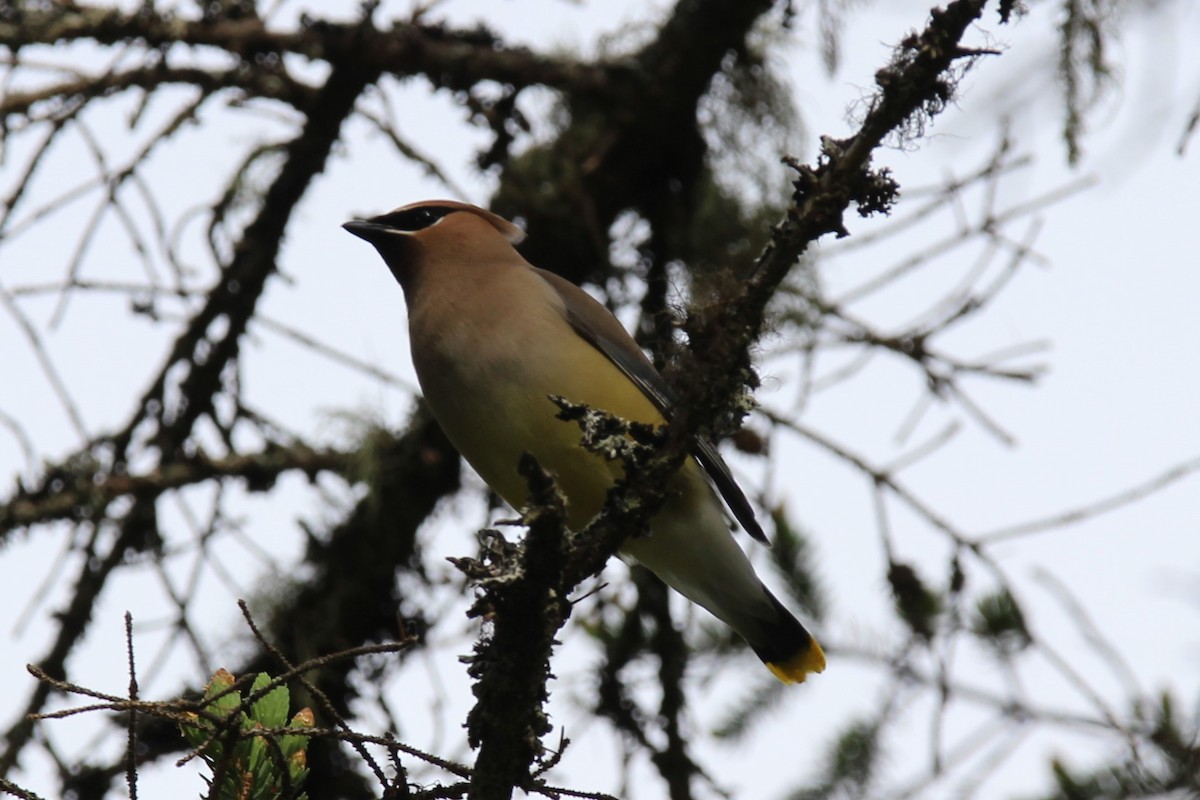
{"x":248,"y":765}
{"x":1168,"y":766}
{"x":855,"y":754}
{"x":850,"y":764}
{"x":915,"y":602}
{"x":723,"y":234}
{"x":1000,"y":622}
{"x":763,"y":694}
{"x":792,"y":552}
{"x":748,"y":117}
{"x":1085,"y":33}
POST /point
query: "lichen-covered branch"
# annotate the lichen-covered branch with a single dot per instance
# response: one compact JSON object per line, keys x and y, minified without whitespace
{"x":526,"y":601}
{"x":454,"y":59}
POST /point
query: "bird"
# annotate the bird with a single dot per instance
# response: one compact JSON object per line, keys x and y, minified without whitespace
{"x":493,"y":338}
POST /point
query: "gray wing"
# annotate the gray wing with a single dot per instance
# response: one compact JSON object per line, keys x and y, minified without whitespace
{"x":601,"y":329}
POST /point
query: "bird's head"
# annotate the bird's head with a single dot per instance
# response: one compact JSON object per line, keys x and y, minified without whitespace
{"x":417,"y":234}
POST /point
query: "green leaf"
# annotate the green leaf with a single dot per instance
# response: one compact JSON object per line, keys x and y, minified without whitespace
{"x":271,"y":709}
{"x":291,"y":745}
{"x":255,"y":771}
{"x":253,"y":755}
{"x":222,"y":704}
{"x":195,"y":733}
{"x":199,"y":730}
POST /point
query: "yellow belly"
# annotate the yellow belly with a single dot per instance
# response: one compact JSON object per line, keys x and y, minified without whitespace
{"x":488,"y":369}
{"x":492,"y":422}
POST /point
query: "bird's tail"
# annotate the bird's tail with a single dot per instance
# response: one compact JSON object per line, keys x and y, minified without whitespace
{"x":788,"y":650}
{"x":692,"y":550}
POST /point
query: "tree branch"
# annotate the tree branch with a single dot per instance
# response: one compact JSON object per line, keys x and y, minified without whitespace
{"x":78,"y":489}
{"x":453,"y":59}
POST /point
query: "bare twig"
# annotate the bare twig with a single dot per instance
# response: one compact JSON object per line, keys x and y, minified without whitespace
{"x":47,"y":364}
{"x":1074,"y":516}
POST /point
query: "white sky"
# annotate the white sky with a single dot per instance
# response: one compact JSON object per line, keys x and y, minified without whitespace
{"x":1117,"y":301}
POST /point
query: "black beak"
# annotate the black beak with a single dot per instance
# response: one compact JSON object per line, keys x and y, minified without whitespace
{"x":371,"y":232}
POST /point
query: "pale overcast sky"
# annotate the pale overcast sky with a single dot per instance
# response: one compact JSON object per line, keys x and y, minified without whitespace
{"x":1113,"y":291}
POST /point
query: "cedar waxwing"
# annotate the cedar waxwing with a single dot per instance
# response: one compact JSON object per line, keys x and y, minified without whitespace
{"x":494,"y":337}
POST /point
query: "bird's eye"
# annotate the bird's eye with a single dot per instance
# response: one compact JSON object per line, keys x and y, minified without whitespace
{"x":413,"y":219}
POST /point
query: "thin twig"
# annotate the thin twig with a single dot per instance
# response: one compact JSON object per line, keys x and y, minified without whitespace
{"x":131,"y":746}
{"x":46,"y":363}
{"x":1074,"y":516}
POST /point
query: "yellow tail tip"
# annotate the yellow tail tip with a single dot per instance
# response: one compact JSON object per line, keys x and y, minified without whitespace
{"x":796,"y":668}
